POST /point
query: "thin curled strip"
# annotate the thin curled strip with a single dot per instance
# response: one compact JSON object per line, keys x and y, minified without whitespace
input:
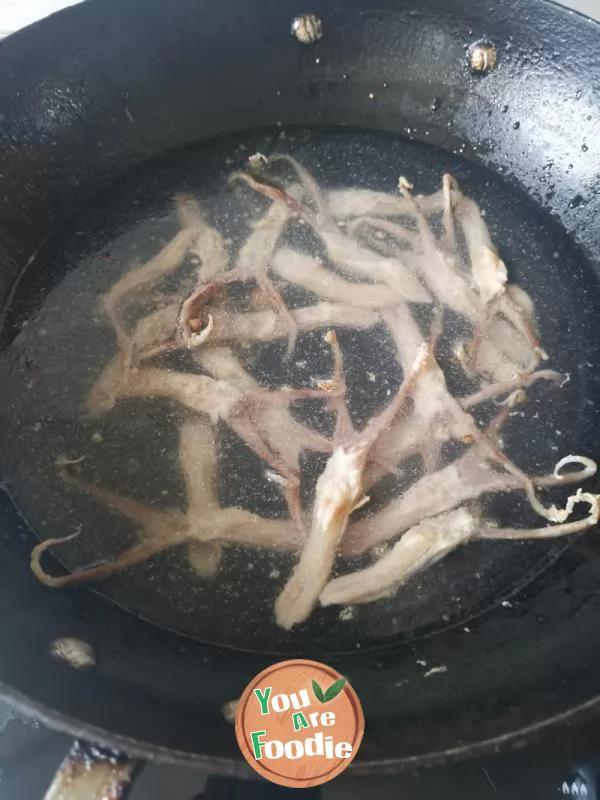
{"x":552,"y":513}
{"x":560,"y":515}
{"x":589,"y":467}
{"x":135,"y":555}
{"x":36,"y":557}
{"x":552,"y":531}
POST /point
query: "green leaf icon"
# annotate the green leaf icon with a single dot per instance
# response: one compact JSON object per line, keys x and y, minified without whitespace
{"x":318,"y":692}
{"x":334,"y":690}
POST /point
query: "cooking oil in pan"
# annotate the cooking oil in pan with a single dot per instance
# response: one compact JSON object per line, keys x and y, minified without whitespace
{"x":195,"y":448}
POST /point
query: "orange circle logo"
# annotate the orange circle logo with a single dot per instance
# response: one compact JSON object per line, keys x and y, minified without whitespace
{"x":299,"y":723}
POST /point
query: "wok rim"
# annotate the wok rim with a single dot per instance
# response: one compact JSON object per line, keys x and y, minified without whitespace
{"x":219,"y":765}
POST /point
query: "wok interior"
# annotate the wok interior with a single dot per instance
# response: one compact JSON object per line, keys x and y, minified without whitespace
{"x":501,"y":679}
{"x":67,"y":341}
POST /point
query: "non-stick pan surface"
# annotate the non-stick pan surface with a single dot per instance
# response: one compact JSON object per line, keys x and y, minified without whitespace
{"x":107,"y":112}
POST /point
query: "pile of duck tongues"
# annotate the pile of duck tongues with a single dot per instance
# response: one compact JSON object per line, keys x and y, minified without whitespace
{"x":388,"y":259}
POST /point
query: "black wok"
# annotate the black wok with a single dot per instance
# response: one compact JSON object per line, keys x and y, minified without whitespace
{"x":92,"y":99}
